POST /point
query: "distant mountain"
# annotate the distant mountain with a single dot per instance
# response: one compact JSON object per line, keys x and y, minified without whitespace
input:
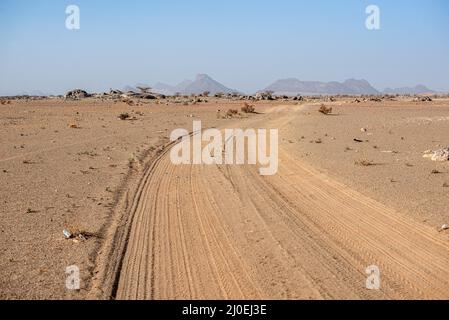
{"x":163,"y":88}
{"x":204,"y":83}
{"x":181,"y":87}
{"x":293,"y":86}
{"x":419,"y":89}
{"x":359,"y":87}
{"x":201,"y":84}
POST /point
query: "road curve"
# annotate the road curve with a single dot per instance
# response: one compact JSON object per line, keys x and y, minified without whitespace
{"x":225,"y":232}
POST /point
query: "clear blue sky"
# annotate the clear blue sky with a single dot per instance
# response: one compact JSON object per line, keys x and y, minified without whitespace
{"x":243,"y":44}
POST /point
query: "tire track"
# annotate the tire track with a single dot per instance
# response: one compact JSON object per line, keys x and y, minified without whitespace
{"x":225,"y":232}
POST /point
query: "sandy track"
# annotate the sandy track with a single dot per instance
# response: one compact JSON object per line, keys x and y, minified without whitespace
{"x":213,"y":232}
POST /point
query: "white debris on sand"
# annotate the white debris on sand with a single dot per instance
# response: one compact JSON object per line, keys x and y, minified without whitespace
{"x":67,"y":234}
{"x":438,"y":155}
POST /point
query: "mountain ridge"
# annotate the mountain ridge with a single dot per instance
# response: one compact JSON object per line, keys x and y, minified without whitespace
{"x":418,"y":89}
{"x":287,"y":86}
{"x":294,"y":86}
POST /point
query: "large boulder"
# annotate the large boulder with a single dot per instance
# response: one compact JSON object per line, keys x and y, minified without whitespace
{"x":147,"y":96}
{"x":76,"y":94}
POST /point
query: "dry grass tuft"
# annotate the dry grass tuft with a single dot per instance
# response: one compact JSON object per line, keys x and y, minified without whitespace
{"x":364,"y":163}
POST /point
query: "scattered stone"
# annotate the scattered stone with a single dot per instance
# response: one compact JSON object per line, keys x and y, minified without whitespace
{"x":423,"y":99}
{"x":264,"y":96}
{"x":444,"y":227}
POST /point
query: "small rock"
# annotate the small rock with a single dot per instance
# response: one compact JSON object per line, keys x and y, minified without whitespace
{"x":444,"y":227}
{"x":67,"y":234}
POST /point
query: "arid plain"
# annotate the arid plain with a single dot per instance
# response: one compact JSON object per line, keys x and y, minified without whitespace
{"x":353,"y":190}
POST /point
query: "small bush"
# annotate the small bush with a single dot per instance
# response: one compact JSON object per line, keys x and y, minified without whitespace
{"x":124,"y":116}
{"x":231,"y":113}
{"x":247,"y":108}
{"x":325,"y":110}
{"x":365,"y":163}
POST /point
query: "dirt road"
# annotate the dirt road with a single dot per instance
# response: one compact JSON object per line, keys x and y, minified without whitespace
{"x":225,"y":232}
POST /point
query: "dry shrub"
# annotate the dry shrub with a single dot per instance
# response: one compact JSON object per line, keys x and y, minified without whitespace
{"x":129,"y":102}
{"x":247,"y":108}
{"x":365,"y":163}
{"x":124,"y":116}
{"x":325,"y":110}
{"x":231,"y":113}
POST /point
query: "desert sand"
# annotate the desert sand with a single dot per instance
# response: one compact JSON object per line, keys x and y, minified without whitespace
{"x":153,"y":230}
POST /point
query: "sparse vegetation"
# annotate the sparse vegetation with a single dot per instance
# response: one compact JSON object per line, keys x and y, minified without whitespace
{"x":325,"y":110}
{"x":231,"y":113}
{"x":247,"y":108}
{"x":124,"y":116}
{"x":88,"y":153}
{"x":131,"y":162}
{"x":364,"y":163}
